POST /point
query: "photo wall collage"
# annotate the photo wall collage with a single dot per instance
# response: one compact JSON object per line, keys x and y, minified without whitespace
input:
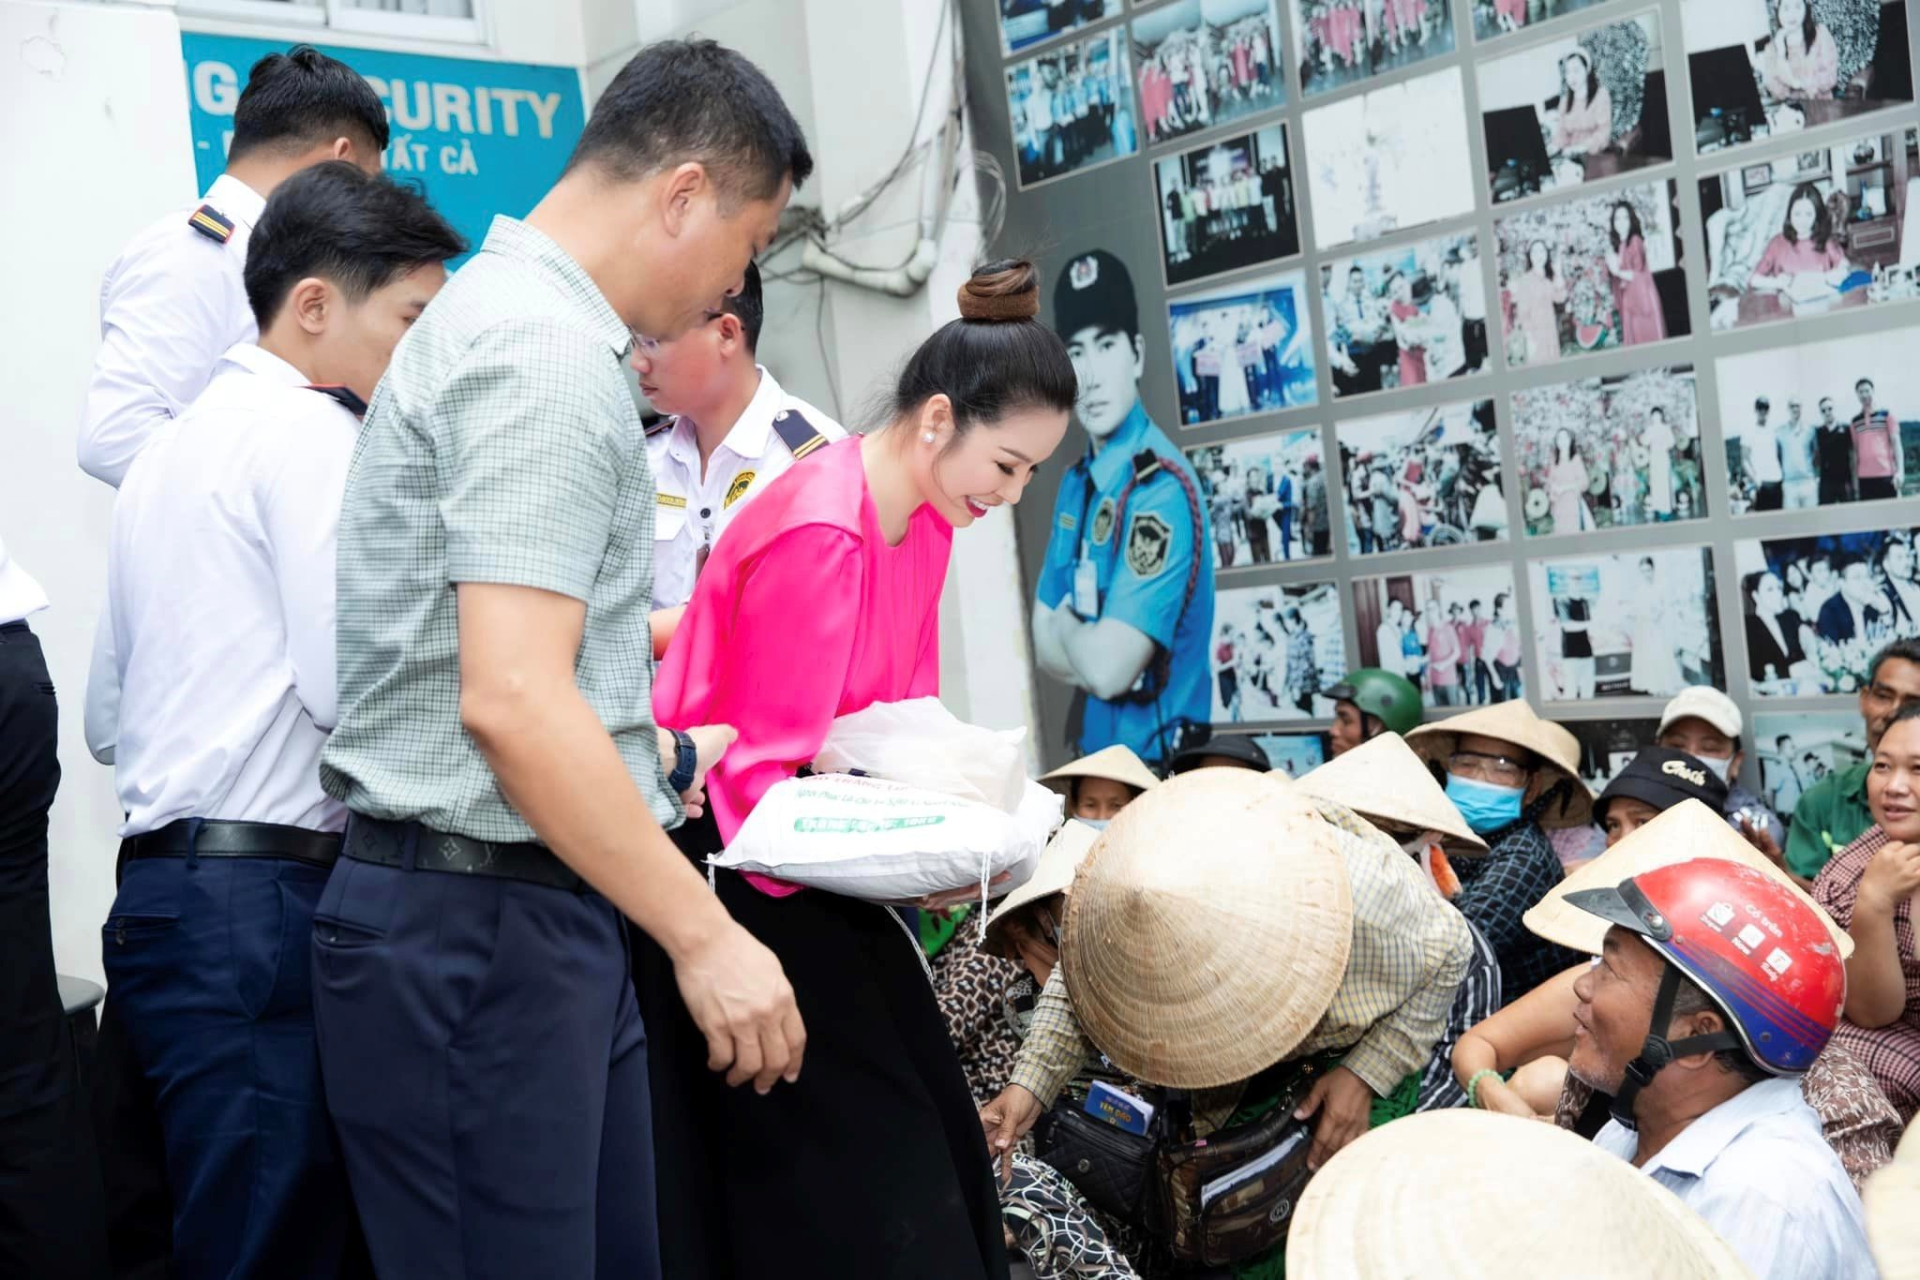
{"x":1623,"y":240}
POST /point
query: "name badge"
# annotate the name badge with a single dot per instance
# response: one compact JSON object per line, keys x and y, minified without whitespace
{"x":1086,"y":590}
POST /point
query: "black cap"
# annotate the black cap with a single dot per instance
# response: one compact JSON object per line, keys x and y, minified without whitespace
{"x":1095,"y":291}
{"x":1237,"y":747}
{"x":1663,"y":777}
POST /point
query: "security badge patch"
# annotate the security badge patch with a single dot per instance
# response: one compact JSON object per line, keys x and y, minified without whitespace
{"x":738,"y":489}
{"x":1149,"y":540}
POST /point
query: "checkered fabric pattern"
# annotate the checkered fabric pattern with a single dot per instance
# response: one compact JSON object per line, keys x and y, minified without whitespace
{"x":1410,"y":951}
{"x":503,"y":446}
{"x":1892,"y":1052}
{"x":1477,"y":1000}
{"x":1518,"y":871}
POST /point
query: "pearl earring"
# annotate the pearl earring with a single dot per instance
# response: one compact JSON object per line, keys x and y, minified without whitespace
{"x":927,"y":436}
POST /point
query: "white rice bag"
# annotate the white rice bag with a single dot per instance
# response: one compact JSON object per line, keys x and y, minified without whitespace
{"x":921,"y":743}
{"x":884,"y":841}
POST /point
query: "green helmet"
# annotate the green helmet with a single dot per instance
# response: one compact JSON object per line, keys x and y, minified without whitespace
{"x":1383,"y":694}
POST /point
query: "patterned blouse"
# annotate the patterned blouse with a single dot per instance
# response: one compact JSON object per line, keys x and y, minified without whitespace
{"x":1892,"y":1052}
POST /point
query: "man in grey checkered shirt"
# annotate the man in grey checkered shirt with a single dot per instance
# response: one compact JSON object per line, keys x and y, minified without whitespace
{"x":482,"y":1051}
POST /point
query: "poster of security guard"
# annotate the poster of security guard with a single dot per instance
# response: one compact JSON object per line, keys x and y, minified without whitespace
{"x":1124,"y":601}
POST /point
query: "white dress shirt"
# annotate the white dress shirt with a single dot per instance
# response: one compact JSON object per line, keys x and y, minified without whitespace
{"x":171,"y":303}
{"x":1757,"y":1169}
{"x":694,"y":511}
{"x":20,"y":595}
{"x":220,"y":584}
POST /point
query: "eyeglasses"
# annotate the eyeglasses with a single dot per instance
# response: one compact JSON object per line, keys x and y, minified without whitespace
{"x":642,"y":342}
{"x":1485,"y":768}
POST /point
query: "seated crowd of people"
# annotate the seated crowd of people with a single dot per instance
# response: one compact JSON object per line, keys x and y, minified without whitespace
{"x":1219,"y":981}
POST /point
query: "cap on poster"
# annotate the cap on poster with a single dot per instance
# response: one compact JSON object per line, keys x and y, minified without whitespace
{"x":1663,"y":778}
{"x":1700,"y":702}
{"x":1095,"y":292}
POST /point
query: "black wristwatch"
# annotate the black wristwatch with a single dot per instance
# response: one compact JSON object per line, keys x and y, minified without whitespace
{"x":686,"y":759}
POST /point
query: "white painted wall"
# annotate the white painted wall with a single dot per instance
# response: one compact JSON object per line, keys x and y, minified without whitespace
{"x":96,"y":112}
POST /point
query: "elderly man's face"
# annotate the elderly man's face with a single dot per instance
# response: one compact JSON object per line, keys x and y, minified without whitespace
{"x":1615,"y":1010}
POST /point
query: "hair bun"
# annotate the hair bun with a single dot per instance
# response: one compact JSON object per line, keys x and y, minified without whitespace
{"x":1001,"y":291}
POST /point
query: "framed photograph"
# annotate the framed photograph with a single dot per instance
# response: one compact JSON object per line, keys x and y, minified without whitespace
{"x":1588,"y":106}
{"x":1405,"y":317}
{"x":1608,"y":746}
{"x":1817,"y":609}
{"x":1275,"y":650}
{"x":1819,"y":424}
{"x":1609,"y":453}
{"x":1295,"y":753}
{"x":1764,"y":68}
{"x":1026,"y":23}
{"x":1206,"y":63}
{"x":1389,"y":159}
{"x":1453,"y":633}
{"x":1628,"y":624}
{"x":1266,"y":498}
{"x":1345,"y":41}
{"x":1816,"y":234}
{"x":1422,"y":478}
{"x":1226,"y":205}
{"x":1071,"y":108}
{"x":1243,"y":349}
{"x":1495,"y":18}
{"x":1796,"y":750}
{"x":1592,"y":274}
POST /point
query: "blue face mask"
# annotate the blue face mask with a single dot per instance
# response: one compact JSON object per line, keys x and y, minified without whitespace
{"x":1098,"y":824}
{"x":1484,"y":806}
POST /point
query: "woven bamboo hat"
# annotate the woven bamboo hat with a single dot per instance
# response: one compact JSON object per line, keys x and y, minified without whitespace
{"x":1209,"y":928}
{"x":1053,"y":875}
{"x":1117,"y":763}
{"x":1688,"y":830}
{"x":1377,"y":1211}
{"x":1514,"y":721}
{"x":1383,"y":780}
{"x":1893,"y":1227}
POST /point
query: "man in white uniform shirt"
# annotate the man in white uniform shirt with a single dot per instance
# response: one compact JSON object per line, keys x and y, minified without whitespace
{"x":733,"y":433}
{"x":223,"y":632}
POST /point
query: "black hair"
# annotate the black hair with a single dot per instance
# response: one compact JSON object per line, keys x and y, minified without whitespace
{"x":1750,"y":588}
{"x":1906,"y":649}
{"x":1783,"y":738}
{"x":1633,"y":225}
{"x":695,"y":100}
{"x":1690,"y":998}
{"x":1863,"y":382}
{"x":1762,"y":403}
{"x":1911,"y":711}
{"x":301,"y":99}
{"x":1809,"y":29}
{"x":749,"y":307}
{"x":1822,"y":217}
{"x":1646,"y":562}
{"x":1545,"y":267}
{"x":994,"y":359}
{"x":1473,"y":604}
{"x":337,"y":222}
{"x":1593,"y":79}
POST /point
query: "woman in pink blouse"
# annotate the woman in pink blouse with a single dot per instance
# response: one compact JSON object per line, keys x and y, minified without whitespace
{"x":1405,"y":316}
{"x":1585,"y":124}
{"x":1537,"y":294}
{"x":823,"y":598}
{"x":1801,"y":62}
{"x":1635,"y":296}
{"x":1806,"y":245}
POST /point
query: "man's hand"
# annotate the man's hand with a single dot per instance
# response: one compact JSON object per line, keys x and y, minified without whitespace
{"x":1345,"y":1103}
{"x":710,"y":742}
{"x":741,"y":1001}
{"x":1007,"y":1119}
{"x":1757,"y":835}
{"x":1892,"y":876}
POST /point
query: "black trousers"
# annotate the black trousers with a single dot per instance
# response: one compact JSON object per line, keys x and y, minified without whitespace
{"x":872,"y":1165}
{"x":50,"y":1208}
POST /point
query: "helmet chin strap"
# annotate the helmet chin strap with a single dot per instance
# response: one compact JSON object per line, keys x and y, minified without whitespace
{"x":1657,"y":1051}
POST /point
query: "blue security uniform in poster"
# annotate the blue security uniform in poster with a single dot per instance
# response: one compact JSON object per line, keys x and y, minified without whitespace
{"x":1127,"y":542}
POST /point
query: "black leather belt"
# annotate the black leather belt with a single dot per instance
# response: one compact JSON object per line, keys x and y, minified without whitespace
{"x":217,"y":839}
{"x":385,"y":843}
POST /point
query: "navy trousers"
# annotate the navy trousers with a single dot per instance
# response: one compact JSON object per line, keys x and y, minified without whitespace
{"x":487,"y":1072}
{"x":207,"y":964}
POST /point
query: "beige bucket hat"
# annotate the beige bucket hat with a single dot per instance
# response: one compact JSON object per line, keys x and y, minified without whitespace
{"x":1209,"y":928}
{"x":1378,"y":1212}
{"x":1688,"y":830}
{"x":1514,"y":721}
{"x":1117,"y":763}
{"x":1893,"y":1226}
{"x":1054,"y":874}
{"x":1384,"y":780}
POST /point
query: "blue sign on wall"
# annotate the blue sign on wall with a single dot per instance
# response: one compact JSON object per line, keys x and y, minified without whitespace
{"x":482,"y":137}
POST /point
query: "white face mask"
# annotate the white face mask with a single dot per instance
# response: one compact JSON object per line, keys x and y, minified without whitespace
{"x":1719,"y":768}
{"x":1098,"y":824}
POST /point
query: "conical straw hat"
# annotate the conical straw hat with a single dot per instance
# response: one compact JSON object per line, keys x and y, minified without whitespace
{"x":1688,"y":830}
{"x":1383,"y":780}
{"x":1892,"y":1198}
{"x":1514,"y":721}
{"x":1209,"y":928}
{"x":1410,"y":1199}
{"x":1062,"y":857}
{"x":1117,"y":763}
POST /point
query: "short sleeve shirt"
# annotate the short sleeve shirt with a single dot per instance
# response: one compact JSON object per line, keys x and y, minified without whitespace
{"x":504,"y":447}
